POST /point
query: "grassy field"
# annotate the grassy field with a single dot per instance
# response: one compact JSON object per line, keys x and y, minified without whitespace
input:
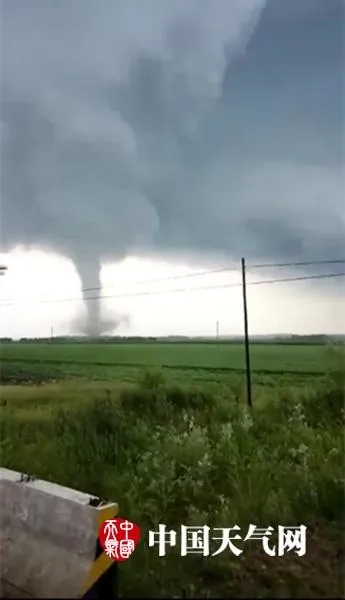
{"x":264,"y":357}
{"x":231,"y":356}
{"x":173,"y":449}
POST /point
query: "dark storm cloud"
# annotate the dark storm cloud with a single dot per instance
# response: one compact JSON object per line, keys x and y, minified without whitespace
{"x":173,"y":127}
{"x":269,"y":178}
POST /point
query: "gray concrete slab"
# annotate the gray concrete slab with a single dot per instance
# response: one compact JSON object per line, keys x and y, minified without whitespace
{"x":48,"y":536}
{"x":7,"y":590}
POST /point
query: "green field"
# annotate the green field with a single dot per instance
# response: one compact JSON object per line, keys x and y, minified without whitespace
{"x":272,"y":365}
{"x":163,"y":429}
{"x":267,"y":357}
{"x":264,"y":357}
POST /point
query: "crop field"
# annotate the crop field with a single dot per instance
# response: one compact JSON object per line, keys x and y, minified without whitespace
{"x":163,"y":429}
{"x":112,"y":360}
{"x":265,"y":357}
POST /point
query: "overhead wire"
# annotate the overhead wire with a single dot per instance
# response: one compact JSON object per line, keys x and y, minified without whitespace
{"x":249,"y":268}
{"x":84,"y":290}
{"x":310,"y":263}
{"x":192,"y":289}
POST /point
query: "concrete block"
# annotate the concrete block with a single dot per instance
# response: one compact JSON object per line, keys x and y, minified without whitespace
{"x":48,"y":538}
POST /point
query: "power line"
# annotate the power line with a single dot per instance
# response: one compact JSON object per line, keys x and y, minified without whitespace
{"x":198,"y":274}
{"x":222,"y":270}
{"x":339,"y":261}
{"x":302,"y":278}
{"x":159,"y":279}
{"x":193,"y":289}
{"x":171,"y":278}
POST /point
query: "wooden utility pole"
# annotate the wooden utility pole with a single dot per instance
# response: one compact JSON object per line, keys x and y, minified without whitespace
{"x":246,"y":335}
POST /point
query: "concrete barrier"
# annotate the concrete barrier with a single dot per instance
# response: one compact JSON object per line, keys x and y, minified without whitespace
{"x":49,"y":540}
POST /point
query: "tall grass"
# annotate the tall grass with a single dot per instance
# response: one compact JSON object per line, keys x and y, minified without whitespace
{"x":175,"y":455}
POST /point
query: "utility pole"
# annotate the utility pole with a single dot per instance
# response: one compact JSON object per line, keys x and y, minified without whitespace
{"x":51,"y":333}
{"x":217,"y":332}
{"x":246,"y":335}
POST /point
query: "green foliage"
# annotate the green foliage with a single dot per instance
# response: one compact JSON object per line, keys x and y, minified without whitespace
{"x":179,"y":454}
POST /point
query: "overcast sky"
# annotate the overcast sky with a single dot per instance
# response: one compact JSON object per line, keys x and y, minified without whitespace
{"x":156,"y":138}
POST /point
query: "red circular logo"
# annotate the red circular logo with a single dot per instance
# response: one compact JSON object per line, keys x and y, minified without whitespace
{"x":118,"y":538}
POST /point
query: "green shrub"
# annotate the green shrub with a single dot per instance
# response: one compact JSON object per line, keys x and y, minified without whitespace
{"x":177,"y":455}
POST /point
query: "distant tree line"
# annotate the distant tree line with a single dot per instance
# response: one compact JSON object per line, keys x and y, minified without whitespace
{"x":283,"y":340}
